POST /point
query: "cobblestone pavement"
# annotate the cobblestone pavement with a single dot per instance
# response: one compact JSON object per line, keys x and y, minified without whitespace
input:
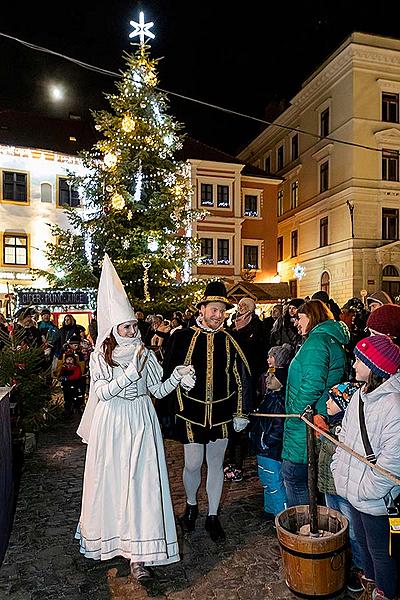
{"x":43,"y":559}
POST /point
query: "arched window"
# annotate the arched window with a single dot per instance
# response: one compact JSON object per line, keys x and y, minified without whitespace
{"x":325,"y":282}
{"x":390,"y":271}
{"x":391,"y":280}
{"x":46,"y":192}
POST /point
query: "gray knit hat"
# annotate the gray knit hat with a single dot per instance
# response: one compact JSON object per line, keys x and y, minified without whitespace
{"x":282,"y":355}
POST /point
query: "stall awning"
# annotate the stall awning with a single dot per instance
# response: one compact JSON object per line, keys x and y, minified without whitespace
{"x":262,"y":293}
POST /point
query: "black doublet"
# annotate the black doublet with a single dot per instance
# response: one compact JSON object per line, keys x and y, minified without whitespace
{"x":205,"y":413}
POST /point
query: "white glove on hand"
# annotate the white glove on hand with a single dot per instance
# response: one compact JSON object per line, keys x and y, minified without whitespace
{"x":184,"y":370}
{"x":240,"y":423}
{"x":187,"y":376}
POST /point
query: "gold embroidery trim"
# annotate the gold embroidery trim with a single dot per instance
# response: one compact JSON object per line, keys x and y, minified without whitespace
{"x":179,"y":396}
{"x":189,"y":432}
{"x":239,"y":351}
{"x":240,"y":389}
{"x":188,"y":357}
{"x":228,"y":363}
{"x":209,"y":376}
{"x":224,"y":430}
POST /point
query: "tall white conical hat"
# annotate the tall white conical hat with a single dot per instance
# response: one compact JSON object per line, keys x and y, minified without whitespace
{"x":113,"y":306}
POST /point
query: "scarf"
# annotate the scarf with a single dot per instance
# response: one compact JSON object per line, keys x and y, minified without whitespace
{"x":243,"y":320}
{"x":127,"y":346}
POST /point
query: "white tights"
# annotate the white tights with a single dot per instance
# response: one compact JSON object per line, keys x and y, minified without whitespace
{"x":194,"y":456}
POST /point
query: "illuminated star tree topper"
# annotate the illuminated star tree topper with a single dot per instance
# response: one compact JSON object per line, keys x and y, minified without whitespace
{"x":141,"y":29}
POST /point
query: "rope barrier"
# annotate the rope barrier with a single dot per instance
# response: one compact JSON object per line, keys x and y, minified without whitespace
{"x":344,"y":447}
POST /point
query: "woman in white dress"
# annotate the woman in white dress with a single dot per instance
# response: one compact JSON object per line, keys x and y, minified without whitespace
{"x":126,"y":504}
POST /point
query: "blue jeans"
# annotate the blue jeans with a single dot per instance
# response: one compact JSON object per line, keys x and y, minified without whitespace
{"x":296,"y":482}
{"x":372,"y":533}
{"x":269,"y":472}
{"x":343,"y":506}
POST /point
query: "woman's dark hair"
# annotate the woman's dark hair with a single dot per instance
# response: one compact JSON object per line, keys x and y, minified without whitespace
{"x":108,"y":347}
{"x":316,"y":311}
{"x":373,"y":382}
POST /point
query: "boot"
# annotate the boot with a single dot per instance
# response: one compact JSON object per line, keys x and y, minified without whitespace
{"x":190,"y":516}
{"x":214,"y":528}
{"x":139,"y":571}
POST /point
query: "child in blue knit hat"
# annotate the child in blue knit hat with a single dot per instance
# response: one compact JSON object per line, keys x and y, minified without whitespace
{"x":338,"y":399}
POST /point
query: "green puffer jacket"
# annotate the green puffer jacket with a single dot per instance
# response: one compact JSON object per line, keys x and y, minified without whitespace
{"x":319,"y":364}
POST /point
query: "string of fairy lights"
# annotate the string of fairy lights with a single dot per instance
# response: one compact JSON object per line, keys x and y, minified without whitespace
{"x":216,"y":107}
{"x":157,"y":142}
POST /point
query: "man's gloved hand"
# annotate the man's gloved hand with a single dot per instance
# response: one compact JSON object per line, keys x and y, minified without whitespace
{"x":187,"y":376}
{"x":240,"y":423}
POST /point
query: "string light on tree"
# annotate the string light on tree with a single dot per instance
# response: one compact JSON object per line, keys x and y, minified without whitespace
{"x":146,"y":265}
{"x":128,"y":124}
{"x":136,"y":192}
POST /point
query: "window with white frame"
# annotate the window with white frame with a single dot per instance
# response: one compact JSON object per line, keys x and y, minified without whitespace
{"x":223,"y":252}
{"x":15,"y":186}
{"x":215,"y":251}
{"x":294,"y":194}
{"x":250,"y":257}
{"x":390,"y":107}
{"x":280,"y":203}
{"x":390,"y":223}
{"x":324,"y":122}
{"x":295,"y":146}
{"x":217,"y":194}
{"x":390,"y":165}
{"x":250,"y":205}
{"x":68,"y":195}
{"x":207,"y":253}
{"x":294,"y":243}
{"x":15,"y":249}
{"x":280,"y":158}
{"x":206,"y":197}
{"x":223,"y":196}
{"x":324,"y":176}
{"x":279,"y":248}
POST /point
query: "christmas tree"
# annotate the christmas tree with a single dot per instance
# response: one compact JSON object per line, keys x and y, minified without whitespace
{"x":136,"y":199}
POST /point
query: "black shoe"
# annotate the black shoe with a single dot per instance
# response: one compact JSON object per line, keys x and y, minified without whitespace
{"x":190,"y":516}
{"x":214,"y":528}
{"x":354,"y":580}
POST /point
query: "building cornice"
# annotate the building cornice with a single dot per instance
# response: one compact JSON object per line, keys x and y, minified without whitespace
{"x":37,"y":153}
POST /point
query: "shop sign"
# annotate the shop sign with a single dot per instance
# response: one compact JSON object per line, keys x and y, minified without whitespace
{"x":52,"y":297}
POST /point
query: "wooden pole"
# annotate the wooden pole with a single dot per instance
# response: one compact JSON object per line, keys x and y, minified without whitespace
{"x":312,"y":474}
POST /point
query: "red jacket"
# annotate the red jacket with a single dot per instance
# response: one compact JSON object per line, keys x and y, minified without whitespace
{"x":72,"y":372}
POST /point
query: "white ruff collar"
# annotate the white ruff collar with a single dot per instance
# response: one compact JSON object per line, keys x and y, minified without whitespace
{"x":200,"y":323}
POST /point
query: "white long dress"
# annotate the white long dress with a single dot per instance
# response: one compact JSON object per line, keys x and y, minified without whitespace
{"x":126,"y":504}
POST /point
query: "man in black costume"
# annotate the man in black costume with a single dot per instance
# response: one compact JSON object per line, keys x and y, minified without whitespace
{"x":205,"y":416}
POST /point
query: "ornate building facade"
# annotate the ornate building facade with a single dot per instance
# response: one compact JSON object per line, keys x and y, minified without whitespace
{"x":338,"y":206}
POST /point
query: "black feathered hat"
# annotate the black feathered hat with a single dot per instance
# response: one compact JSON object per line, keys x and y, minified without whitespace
{"x":74,"y":339}
{"x":215,"y":292}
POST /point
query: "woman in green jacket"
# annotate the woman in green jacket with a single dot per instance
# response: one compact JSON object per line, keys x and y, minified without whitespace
{"x":319,"y":365}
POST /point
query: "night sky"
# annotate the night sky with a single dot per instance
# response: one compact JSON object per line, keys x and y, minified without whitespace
{"x":240,"y":58}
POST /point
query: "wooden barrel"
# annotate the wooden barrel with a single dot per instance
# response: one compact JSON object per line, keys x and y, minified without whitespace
{"x":315,"y":567}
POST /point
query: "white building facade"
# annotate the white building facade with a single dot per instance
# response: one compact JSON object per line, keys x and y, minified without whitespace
{"x":338,"y":207}
{"x":34,"y":191}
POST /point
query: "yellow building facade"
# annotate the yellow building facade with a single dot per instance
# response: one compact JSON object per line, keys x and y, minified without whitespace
{"x":338,"y":206}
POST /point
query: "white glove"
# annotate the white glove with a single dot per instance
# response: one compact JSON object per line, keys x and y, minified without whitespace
{"x":184,"y":370}
{"x":240,"y":423}
{"x":188,"y":381}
